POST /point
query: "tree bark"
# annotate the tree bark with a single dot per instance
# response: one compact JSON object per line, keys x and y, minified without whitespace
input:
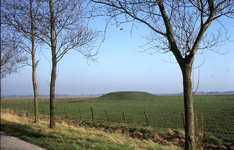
{"x":188,"y":108}
{"x":0,"y":97}
{"x":34,"y":66}
{"x":52,"y":92}
{"x":54,"y":65}
{"x":34,"y":85}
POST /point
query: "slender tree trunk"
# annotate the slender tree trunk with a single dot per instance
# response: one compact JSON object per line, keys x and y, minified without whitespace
{"x":188,"y":108}
{"x":0,"y":97}
{"x":52,"y":93}
{"x":34,"y":87}
{"x":54,"y":65}
{"x":0,"y":67}
{"x":34,"y":65}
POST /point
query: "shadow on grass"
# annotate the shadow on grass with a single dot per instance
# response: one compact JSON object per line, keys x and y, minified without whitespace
{"x":20,"y":130}
{"x":35,"y":136}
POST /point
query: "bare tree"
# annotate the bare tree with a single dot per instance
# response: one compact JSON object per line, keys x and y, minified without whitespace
{"x":179,"y":27}
{"x":64,"y":28}
{"x":24,"y":18}
{"x":12,"y":58}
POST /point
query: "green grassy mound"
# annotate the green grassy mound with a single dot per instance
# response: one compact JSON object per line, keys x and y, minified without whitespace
{"x":128,"y":95}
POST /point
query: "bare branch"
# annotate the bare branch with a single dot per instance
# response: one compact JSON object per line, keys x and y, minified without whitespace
{"x":189,"y":20}
{"x":12,"y":58}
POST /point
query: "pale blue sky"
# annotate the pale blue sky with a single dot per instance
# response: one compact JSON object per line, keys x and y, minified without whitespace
{"x":121,"y":67}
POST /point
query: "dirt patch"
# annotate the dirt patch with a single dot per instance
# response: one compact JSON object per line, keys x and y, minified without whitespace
{"x":212,"y":147}
{"x":160,"y":138}
{"x":175,"y":139}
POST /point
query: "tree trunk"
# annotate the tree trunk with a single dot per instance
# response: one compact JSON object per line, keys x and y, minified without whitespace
{"x":188,"y":108}
{"x":0,"y":96}
{"x":52,"y":93}
{"x":54,"y":65}
{"x":34,"y":87}
{"x":34,"y":65}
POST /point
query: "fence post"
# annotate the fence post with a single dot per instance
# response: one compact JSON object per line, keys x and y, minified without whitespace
{"x":146,"y":118}
{"x":65,"y":111}
{"x":92,"y":112}
{"x":31,"y":106}
{"x":124,"y":117}
{"x":80,"y":112}
{"x":43,"y":109}
{"x":183,"y":120}
{"x":107,"y":115}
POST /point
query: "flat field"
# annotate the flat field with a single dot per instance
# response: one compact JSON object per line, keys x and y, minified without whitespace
{"x":162,"y":111}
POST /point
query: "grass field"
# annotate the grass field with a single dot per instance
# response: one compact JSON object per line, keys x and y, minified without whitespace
{"x":66,"y":137}
{"x":162,"y":111}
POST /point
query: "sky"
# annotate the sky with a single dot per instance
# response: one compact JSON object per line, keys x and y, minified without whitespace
{"x":122,"y":66}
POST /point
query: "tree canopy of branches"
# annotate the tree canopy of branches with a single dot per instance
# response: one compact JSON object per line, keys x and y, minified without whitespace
{"x":179,"y":27}
{"x":23,"y":16}
{"x":12,"y":58}
{"x":69,"y":26}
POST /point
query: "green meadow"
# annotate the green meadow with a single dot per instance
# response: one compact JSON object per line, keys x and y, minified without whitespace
{"x":214,"y":112}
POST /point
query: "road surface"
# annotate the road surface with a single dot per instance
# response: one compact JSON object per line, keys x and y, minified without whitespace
{"x":9,"y":142}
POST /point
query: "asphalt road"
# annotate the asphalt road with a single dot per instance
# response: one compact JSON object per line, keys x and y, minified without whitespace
{"x":9,"y":142}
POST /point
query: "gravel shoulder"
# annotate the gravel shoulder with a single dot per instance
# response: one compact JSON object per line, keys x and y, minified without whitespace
{"x":9,"y":142}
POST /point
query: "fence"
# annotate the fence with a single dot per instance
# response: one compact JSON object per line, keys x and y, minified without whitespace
{"x":141,"y":117}
{"x":167,"y":116}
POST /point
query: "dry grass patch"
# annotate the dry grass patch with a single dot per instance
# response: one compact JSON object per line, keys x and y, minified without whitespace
{"x":65,"y":136}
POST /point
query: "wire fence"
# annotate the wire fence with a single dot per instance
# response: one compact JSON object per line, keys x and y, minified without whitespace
{"x":141,"y":117}
{"x":66,"y":108}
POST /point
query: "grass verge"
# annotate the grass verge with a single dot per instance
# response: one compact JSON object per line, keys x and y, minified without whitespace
{"x":70,"y":137}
